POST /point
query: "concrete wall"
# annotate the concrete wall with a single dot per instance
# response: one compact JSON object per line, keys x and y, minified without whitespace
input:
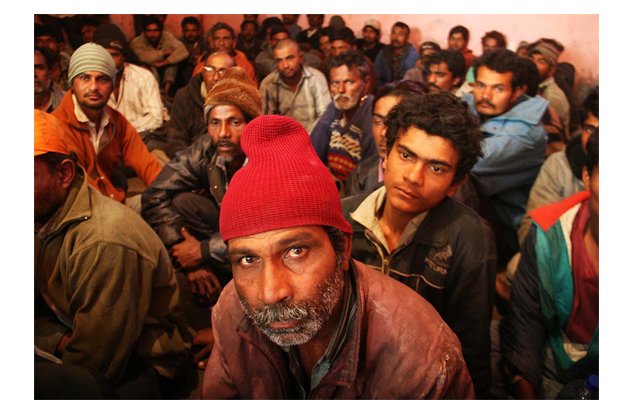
{"x":579,"y":33}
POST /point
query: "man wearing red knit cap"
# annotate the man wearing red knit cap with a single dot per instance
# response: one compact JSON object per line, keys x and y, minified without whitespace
{"x":301,"y":320}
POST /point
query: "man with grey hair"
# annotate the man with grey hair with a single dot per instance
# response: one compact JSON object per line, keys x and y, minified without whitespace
{"x":99,"y":135}
{"x":293,"y":88}
{"x":342,"y":136}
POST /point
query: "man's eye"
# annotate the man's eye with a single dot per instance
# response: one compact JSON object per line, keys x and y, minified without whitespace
{"x":247,"y":261}
{"x":404,"y":155}
{"x":296,"y":252}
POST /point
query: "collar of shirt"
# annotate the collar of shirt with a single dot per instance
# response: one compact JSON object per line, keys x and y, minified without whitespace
{"x":323,"y":365}
{"x":99,"y":138}
{"x":370,"y":210}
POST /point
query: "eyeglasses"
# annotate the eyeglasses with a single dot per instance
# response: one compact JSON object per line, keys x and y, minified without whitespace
{"x":220,"y":71}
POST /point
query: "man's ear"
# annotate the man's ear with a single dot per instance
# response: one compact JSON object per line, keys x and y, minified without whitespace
{"x":517,"y":93}
{"x":457,"y":81}
{"x":586,"y":178}
{"x":66,"y":173}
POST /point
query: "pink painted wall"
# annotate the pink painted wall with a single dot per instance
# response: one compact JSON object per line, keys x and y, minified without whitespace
{"x":579,"y":33}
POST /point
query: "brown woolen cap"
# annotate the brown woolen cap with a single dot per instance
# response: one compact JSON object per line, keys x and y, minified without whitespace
{"x":237,"y":89}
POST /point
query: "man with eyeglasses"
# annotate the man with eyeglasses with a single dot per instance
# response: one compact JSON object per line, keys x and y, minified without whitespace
{"x":187,"y":114}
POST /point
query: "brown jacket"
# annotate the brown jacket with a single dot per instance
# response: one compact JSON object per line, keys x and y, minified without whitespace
{"x":397,"y":348}
{"x":125,"y":145}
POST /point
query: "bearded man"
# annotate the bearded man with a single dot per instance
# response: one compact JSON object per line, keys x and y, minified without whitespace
{"x":342,"y":136}
{"x":301,"y":320}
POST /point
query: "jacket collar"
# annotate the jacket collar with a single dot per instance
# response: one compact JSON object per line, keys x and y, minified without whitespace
{"x":528,"y":110}
{"x":77,"y":206}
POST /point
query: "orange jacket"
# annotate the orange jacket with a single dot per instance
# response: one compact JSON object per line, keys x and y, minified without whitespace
{"x":125,"y":145}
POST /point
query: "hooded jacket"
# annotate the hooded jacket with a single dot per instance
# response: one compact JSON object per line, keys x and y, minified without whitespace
{"x":396,"y":348}
{"x":124,"y":145}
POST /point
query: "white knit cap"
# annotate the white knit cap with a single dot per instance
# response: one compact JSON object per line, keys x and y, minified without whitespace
{"x":91,"y":57}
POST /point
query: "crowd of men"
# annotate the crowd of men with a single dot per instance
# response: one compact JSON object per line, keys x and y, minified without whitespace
{"x":351,"y":214}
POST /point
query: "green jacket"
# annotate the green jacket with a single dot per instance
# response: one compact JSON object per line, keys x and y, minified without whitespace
{"x":103,"y":273}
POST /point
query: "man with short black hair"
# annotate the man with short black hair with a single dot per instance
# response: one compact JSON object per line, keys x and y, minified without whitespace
{"x":309,"y":38}
{"x":248,"y":41}
{"x":293,"y":88}
{"x":160,"y":50}
{"x":493,"y":40}
{"x":445,"y":71}
{"x":48,"y":94}
{"x":412,"y":230}
{"x":399,"y":56}
{"x":301,"y":320}
{"x":514,"y":144}
{"x":458,"y":39}
{"x":50,"y":39}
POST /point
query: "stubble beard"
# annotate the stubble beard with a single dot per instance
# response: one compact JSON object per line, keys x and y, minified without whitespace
{"x":311,"y":316}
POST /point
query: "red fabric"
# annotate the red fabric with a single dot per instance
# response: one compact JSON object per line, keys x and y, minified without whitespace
{"x":283,"y":185}
{"x":546,"y":216}
{"x":585,"y":313}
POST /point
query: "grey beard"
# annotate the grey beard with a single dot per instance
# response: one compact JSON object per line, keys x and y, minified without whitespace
{"x":310,"y":315}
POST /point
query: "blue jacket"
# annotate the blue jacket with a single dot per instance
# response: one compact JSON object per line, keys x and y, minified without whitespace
{"x":384,"y":71}
{"x":514,"y":150}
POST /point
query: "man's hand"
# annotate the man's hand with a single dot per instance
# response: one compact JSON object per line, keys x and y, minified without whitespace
{"x":203,"y":341}
{"x":187,"y":252}
{"x":203,"y":282}
{"x":159,"y":64}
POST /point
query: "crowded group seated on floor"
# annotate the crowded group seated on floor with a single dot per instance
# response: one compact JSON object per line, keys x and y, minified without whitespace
{"x":314,"y":207}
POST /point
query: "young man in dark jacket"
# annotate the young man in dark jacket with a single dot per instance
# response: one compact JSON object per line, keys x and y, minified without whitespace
{"x":412,"y":230}
{"x":300,"y":320}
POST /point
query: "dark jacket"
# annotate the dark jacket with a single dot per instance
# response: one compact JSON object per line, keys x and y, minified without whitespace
{"x":192,"y":170}
{"x":451,"y":261}
{"x":364,"y":178}
{"x":396,"y":348}
{"x":187,"y":117}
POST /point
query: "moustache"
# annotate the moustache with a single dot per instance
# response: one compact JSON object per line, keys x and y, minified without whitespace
{"x":486,"y":102}
{"x":224,"y":143}
{"x":265,"y":315}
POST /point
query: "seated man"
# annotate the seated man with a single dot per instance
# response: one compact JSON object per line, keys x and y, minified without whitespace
{"x":187,"y":121}
{"x":550,"y":335}
{"x":301,"y":320}
{"x":412,"y":230}
{"x":445,"y":71}
{"x":99,"y":135}
{"x":293,"y":88}
{"x":183,"y":203}
{"x":514,"y":144}
{"x":161,"y":51}
{"x":136,"y":93}
{"x":106,"y":297}
{"x":48,"y":94}
{"x":342,"y":137}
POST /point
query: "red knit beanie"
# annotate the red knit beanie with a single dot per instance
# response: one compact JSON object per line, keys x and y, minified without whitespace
{"x":283,"y":185}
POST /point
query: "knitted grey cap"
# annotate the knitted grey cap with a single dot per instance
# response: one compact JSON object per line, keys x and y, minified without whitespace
{"x":91,"y":57}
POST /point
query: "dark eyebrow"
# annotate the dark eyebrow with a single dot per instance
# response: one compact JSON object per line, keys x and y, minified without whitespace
{"x":428,"y":161}
{"x":281,"y":244}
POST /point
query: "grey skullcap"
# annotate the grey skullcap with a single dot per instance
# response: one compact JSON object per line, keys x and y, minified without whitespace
{"x":91,"y":57}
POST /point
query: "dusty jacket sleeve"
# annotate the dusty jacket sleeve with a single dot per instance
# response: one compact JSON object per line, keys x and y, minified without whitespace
{"x":48,"y":329}
{"x":320,"y":135}
{"x":179,"y":50}
{"x":521,"y":331}
{"x":109,"y":303}
{"x":186,"y":172}
{"x":136,"y":155}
